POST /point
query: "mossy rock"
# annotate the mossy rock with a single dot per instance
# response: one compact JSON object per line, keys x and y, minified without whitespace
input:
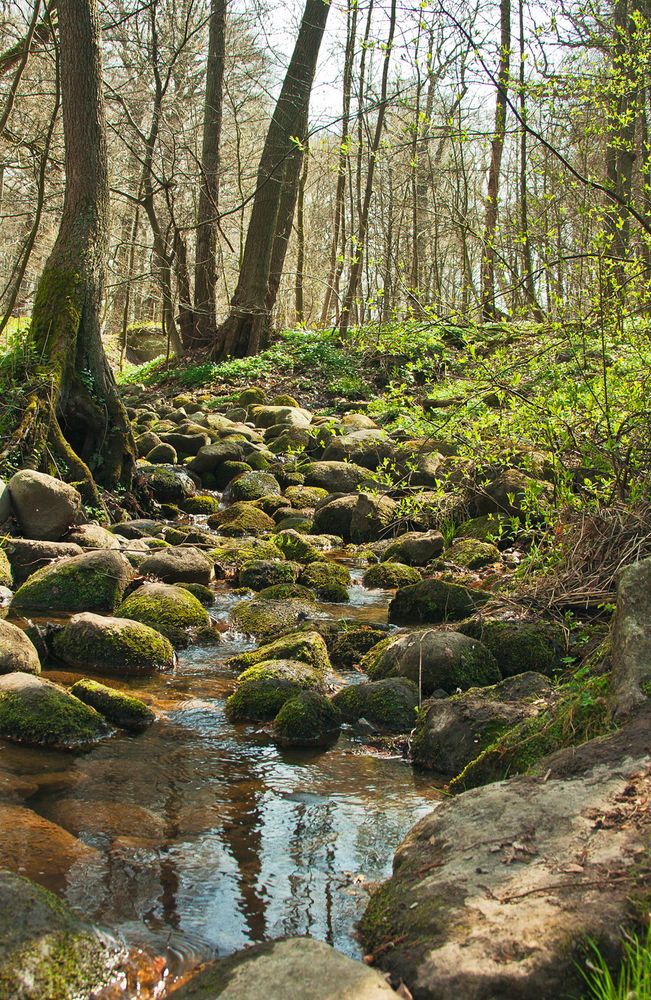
{"x":520,"y":646}
{"x":38,"y":713}
{"x":469,"y":553}
{"x":389,"y":704}
{"x":17,"y":651}
{"x":260,"y":573}
{"x":169,"y":484}
{"x":252,"y":396}
{"x":172,"y":611}
{"x":241,"y":518}
{"x":305,"y":497}
{"x":294,"y":522}
{"x":271,"y":504}
{"x":112,"y":646}
{"x":308,"y":647}
{"x":260,"y":460}
{"x":307,"y":720}
{"x":264,"y":619}
{"x":390,"y":575}
{"x":284,"y":400}
{"x":435,"y":601}
{"x":203,"y":503}
{"x":298,"y":547}
{"x":227,"y":471}
{"x":232,"y":552}
{"x":94,"y":581}
{"x":263,"y":689}
{"x":353,"y":643}
{"x":253,"y":486}
{"x":202,"y":593}
{"x":435,"y":660}
{"x":119,"y":708}
{"x":284,"y":591}
{"x":329,"y":580}
{"x":6,"y":573}
{"x":497,"y":529}
{"x":46,"y":951}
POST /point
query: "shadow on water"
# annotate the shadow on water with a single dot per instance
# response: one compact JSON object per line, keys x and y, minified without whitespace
{"x":208,"y":836}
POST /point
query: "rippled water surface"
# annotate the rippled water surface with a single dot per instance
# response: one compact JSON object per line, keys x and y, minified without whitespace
{"x":207,"y":835}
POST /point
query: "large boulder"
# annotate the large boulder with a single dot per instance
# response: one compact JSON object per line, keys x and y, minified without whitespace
{"x":373,"y":518}
{"x":39,"y":713}
{"x":44,"y":506}
{"x":212,"y":456}
{"x":181,"y":564}
{"x":434,"y":660}
{"x":309,"y":719}
{"x":308,"y":647}
{"x":114,"y":646}
{"x":365,"y":447}
{"x":26,"y":555}
{"x":450,"y":732}
{"x":434,"y":601}
{"x":415,"y":548}
{"x":263,"y":689}
{"x":46,"y":950}
{"x":172,"y":611}
{"x":168,"y":483}
{"x":281,"y":969}
{"x":389,"y":704}
{"x":17,"y":652}
{"x":253,"y":486}
{"x":496,"y":893}
{"x":264,"y":619}
{"x":520,"y":646}
{"x":94,"y":581}
{"x":121,"y":709}
{"x":334,"y":516}
{"x":336,"y":477}
{"x":391,"y":575}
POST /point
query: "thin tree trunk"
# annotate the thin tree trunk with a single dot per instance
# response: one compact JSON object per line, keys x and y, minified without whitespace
{"x":300,"y":242}
{"x":528,"y":277}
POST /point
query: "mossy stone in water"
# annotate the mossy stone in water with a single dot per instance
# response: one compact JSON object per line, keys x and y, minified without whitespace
{"x":350,"y":646}
{"x":265,"y":619}
{"x":203,"y":503}
{"x":38,"y":713}
{"x":17,"y":651}
{"x":390,"y":575}
{"x":237,"y":552}
{"x":109,"y":645}
{"x":263,"y":689}
{"x":295,"y":546}
{"x":241,"y":518}
{"x":307,"y":720}
{"x":308,"y":647}
{"x":260,"y":573}
{"x":519,"y":646}
{"x":94,"y":581}
{"x":202,"y":593}
{"x":253,"y":486}
{"x":172,"y":611}
{"x":470,"y":553}
{"x":122,"y":709}
{"x":330,"y":580}
{"x":434,"y":601}
{"x":46,"y":951}
{"x":389,"y":704}
{"x":283,"y":591}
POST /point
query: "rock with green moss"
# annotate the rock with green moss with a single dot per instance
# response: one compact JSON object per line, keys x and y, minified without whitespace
{"x":307,"y":720}
{"x":17,"y":651}
{"x":435,"y":601}
{"x":298,"y":547}
{"x":389,"y":704}
{"x":118,"y":707}
{"x":451,"y":732}
{"x":93,"y":536}
{"x":335,"y":515}
{"x":264,"y":619}
{"x":112,"y":646}
{"x":295,"y":522}
{"x":434,"y":660}
{"x":253,"y":486}
{"x":202,"y":593}
{"x":251,"y":396}
{"x":350,"y":644}
{"x":469,"y":553}
{"x":329,"y":580}
{"x":162,"y":454}
{"x":496,"y":529}
{"x":415,"y":548}
{"x":241,"y":518}
{"x":291,"y":416}
{"x":260,"y":573}
{"x":202,"y":503}
{"x":308,"y":647}
{"x":263,"y":689}
{"x":212,"y":456}
{"x":305,"y":497}
{"x":520,"y":646}
{"x":94,"y":581}
{"x":46,"y":951}
{"x":172,"y":611}
{"x":284,"y":399}
{"x":38,"y":713}
{"x":390,"y":575}
{"x":283,"y":591}
{"x":237,"y":552}
{"x":27,"y":555}
{"x":168,"y":483}
{"x":181,"y":564}
{"x":6,"y":572}
{"x":271,"y":504}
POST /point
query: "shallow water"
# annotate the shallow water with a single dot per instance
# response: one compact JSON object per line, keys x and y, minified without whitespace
{"x":208,"y":836}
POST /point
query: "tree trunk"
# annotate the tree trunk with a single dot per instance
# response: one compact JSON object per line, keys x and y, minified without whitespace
{"x":300,"y":242}
{"x":75,"y":416}
{"x":205,"y":270}
{"x":497,"y":148}
{"x":247,"y":327}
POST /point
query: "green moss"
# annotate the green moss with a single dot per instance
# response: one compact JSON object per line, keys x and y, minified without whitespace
{"x":81,"y":583}
{"x":349,"y":647}
{"x":284,"y":400}
{"x":305,"y":497}
{"x":395,"y":912}
{"x":390,"y":704}
{"x":297,"y":547}
{"x":469,"y":553}
{"x":434,"y":601}
{"x":580,"y":712}
{"x":241,"y":518}
{"x":330,"y":580}
{"x":138,"y":649}
{"x":264,"y":688}
{"x":6,"y":574}
{"x":260,"y":573}
{"x":201,"y":504}
{"x":116,"y":706}
{"x":390,"y":575}
{"x":57,"y":720}
{"x":236,"y":553}
{"x":308,"y":647}
{"x":253,"y":486}
{"x":203,"y":594}
{"x":519,"y":646}
{"x":172,"y":611}
{"x":306,"y":720}
{"x":284,"y":591}
{"x":251,"y":396}
{"x":266,"y":618}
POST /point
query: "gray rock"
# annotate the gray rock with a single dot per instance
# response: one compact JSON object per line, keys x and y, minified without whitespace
{"x":17,"y":652}
{"x":211,"y":456}
{"x":45,"y":507}
{"x":415,"y":548}
{"x":267,"y":416}
{"x":336,"y":477}
{"x":434,"y":660}
{"x":373,"y":517}
{"x":631,"y":639}
{"x":162,"y":454}
{"x":181,"y":564}
{"x":5,"y":502}
{"x":334,"y":516}
{"x":93,"y":536}
{"x":367,"y":448}
{"x":26,"y":555}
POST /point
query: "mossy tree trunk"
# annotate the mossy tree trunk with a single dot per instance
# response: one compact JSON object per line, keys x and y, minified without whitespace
{"x":75,"y":421}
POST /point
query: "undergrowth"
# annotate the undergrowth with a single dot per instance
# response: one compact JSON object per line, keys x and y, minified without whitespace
{"x":633,"y":979}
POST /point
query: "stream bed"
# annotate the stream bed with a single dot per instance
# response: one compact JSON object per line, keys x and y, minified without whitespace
{"x":208,"y":836}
